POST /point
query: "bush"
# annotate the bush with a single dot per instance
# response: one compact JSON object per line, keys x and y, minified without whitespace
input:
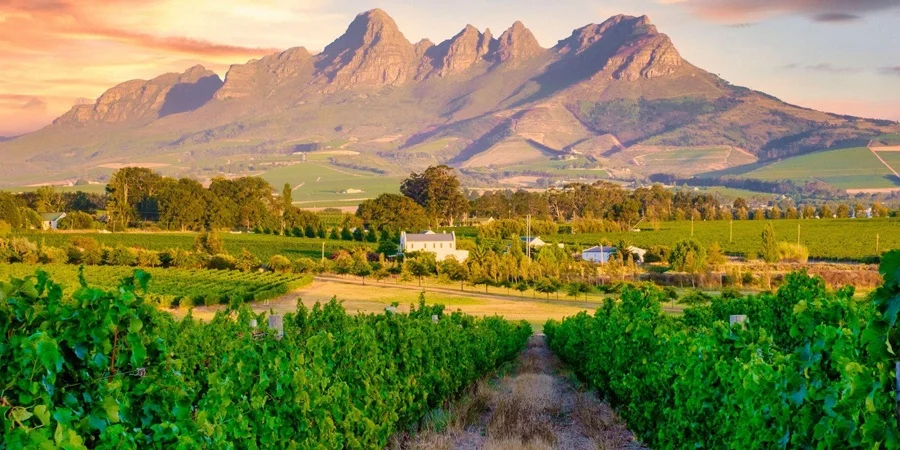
{"x":794,"y":253}
{"x":22,"y":250}
{"x":279,"y":263}
{"x":247,"y":261}
{"x":305,"y":265}
{"x":658,"y":253}
{"x":121,"y":256}
{"x":5,"y":228}
{"x":52,"y":255}
{"x":77,"y":221}
{"x":222,"y":262}
{"x":148,"y":258}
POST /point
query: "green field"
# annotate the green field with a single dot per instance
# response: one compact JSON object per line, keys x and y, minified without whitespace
{"x":172,"y":286}
{"x":892,"y":158}
{"x":322,"y":183}
{"x":848,"y":168}
{"x":90,"y":188}
{"x":262,"y":245}
{"x":835,"y":239}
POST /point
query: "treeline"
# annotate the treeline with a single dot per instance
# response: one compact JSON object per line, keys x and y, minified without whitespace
{"x":139,"y":196}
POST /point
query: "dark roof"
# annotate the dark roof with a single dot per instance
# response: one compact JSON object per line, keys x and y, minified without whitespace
{"x":437,"y":237}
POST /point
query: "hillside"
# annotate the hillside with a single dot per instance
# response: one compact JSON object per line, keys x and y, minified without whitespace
{"x":471,"y":101}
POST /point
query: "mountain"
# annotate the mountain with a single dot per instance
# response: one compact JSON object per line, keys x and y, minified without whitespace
{"x":475,"y":101}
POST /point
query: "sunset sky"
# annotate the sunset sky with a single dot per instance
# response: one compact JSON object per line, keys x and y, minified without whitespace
{"x":837,"y":55}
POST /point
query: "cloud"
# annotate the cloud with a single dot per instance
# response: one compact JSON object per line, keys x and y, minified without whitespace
{"x":825,"y":11}
{"x":836,"y":17}
{"x":892,"y":71}
{"x":823,"y":67}
{"x":35,"y":104}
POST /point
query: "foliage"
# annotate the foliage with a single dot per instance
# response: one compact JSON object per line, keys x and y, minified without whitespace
{"x":688,"y":256}
{"x":77,"y":220}
{"x":394,"y":213}
{"x":794,"y":253}
{"x":103,"y":369}
{"x":769,"y":249}
{"x":811,"y":368}
{"x":437,"y":189}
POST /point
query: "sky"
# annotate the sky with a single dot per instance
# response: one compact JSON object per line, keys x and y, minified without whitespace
{"x":836,"y":55}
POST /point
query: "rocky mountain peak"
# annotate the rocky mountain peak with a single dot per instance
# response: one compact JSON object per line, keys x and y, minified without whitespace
{"x":458,"y":53}
{"x":372,"y":51}
{"x":517,"y":43}
{"x":243,"y":80}
{"x":164,"y":95}
{"x":625,"y":47}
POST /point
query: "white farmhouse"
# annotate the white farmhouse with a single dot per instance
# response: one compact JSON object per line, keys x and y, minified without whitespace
{"x":50,"y":221}
{"x":442,"y":245}
{"x":599,"y":254}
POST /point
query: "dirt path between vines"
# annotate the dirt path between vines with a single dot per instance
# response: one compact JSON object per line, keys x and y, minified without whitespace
{"x":534,"y":407}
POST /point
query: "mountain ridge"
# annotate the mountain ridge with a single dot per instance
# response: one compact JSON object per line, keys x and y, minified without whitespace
{"x":617,"y":81}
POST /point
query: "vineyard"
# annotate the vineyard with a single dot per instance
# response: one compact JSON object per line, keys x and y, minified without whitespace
{"x":263,"y":246}
{"x":104,"y":369}
{"x":832,"y":239}
{"x":174,"y":287}
{"x":810,"y":368}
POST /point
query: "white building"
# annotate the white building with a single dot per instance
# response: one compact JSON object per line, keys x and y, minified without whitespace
{"x":442,"y":245}
{"x":598,"y":254}
{"x":50,"y":221}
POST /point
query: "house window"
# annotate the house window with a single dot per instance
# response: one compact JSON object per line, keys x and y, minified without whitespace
{"x":442,"y":245}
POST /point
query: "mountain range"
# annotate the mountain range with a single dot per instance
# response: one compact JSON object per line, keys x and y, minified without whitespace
{"x":471,"y":101}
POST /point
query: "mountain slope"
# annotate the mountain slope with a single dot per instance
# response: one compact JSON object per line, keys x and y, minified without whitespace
{"x":607,"y":86}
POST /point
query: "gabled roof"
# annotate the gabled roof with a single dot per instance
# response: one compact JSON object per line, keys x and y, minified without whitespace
{"x":434,"y":237}
{"x":599,"y":249}
{"x":52,"y":217}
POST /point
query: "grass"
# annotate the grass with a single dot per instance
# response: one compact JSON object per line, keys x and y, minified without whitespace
{"x":323,"y":184}
{"x":848,"y":168}
{"x":374,"y":297}
{"x":262,"y":245}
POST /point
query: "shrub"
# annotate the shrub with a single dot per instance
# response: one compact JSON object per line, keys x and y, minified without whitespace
{"x":279,"y":263}
{"x":222,"y":262}
{"x":121,"y":256}
{"x":210,"y":243}
{"x":51,"y":255}
{"x":247,"y":261}
{"x":77,"y":221}
{"x":22,"y":250}
{"x":5,"y":228}
{"x":794,"y":253}
{"x":657,"y":253}
{"x":148,"y":258}
{"x":305,"y":265}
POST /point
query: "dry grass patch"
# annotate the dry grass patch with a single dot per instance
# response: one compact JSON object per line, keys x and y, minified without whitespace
{"x":469,"y":409}
{"x":525,"y":413}
{"x":535,"y":392}
{"x":600,"y":422}
{"x":516,"y":444}
{"x":430,"y":440}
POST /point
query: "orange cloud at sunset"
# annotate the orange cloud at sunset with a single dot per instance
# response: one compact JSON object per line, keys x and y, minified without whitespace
{"x":54,"y":52}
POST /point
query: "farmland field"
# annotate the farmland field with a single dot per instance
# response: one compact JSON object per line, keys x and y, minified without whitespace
{"x":849,"y":168}
{"x":835,"y":239}
{"x":199,"y":286}
{"x":262,"y":245}
{"x":323,"y":184}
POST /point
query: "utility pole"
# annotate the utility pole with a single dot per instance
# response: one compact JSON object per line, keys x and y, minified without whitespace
{"x":323,"y":252}
{"x":798,"y":234}
{"x":528,"y":236}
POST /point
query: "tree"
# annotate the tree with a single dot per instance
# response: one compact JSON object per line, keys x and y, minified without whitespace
{"x":392,"y":212}
{"x":843,"y":211}
{"x":129,"y":187}
{"x":577,"y":288}
{"x":361,"y":266}
{"x":416,"y":268}
{"x":210,"y":243}
{"x":825,"y":212}
{"x":287,"y":202}
{"x":9,"y":211}
{"x":346,"y":235}
{"x":76,"y":220}
{"x":715,"y":257}
{"x":688,"y":256}
{"x":247,"y":261}
{"x":879,"y":210}
{"x":183,"y":203}
{"x":438,"y":191}
{"x":769,"y":250}
{"x":455,"y":271}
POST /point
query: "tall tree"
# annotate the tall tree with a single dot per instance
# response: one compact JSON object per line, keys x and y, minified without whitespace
{"x":392,"y":212}
{"x":127,"y":188}
{"x":438,"y":191}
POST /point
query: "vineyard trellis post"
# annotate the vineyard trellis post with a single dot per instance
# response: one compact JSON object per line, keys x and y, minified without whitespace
{"x":276,"y":322}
